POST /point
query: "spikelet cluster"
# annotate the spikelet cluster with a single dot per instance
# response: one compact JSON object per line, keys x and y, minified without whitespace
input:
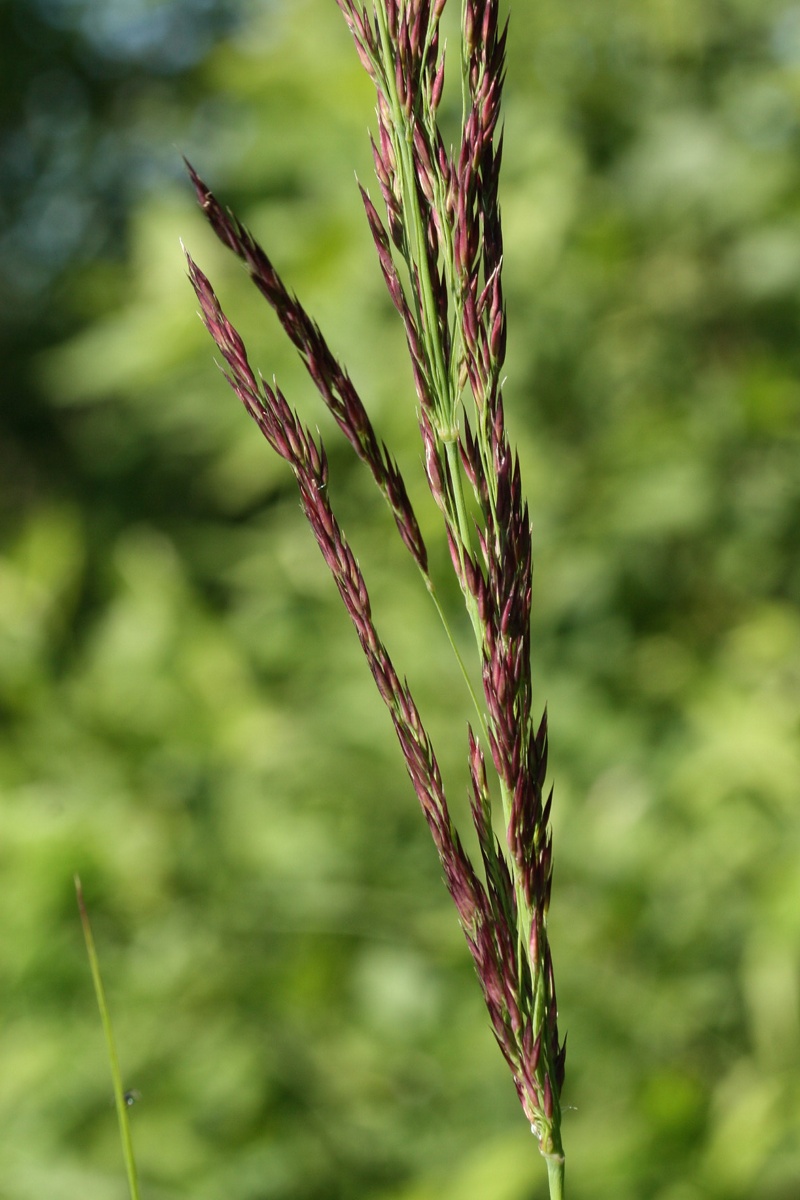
{"x":440,"y":249}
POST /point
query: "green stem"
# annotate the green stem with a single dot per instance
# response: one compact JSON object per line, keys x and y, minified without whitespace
{"x":459,"y":511}
{"x":555,"y":1175}
{"x":105,"y":1017}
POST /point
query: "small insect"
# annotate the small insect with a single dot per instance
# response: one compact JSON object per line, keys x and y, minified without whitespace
{"x":131,"y":1097}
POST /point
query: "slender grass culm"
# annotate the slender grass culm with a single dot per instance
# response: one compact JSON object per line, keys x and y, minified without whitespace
{"x":121,"y":1097}
{"x":440,"y":249}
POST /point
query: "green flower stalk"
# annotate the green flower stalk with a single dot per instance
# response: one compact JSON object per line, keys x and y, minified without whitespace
{"x":440,"y":249}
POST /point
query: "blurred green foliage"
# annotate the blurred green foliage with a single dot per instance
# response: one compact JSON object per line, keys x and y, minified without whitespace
{"x":187,"y":721}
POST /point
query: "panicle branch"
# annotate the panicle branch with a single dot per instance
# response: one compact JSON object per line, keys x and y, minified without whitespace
{"x":329,"y":377}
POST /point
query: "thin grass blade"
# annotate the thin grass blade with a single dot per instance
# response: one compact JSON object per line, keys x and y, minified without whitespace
{"x":120,"y":1100}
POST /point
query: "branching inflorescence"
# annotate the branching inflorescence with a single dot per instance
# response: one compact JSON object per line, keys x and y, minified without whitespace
{"x":441,"y":253}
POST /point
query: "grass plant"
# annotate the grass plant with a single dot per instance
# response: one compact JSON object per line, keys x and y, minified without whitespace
{"x":440,"y":249}
{"x":122,"y":1098}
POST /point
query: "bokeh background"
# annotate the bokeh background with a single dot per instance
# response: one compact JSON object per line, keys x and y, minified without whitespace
{"x":186,"y":718}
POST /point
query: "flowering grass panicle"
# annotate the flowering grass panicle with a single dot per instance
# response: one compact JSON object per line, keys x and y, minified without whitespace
{"x":440,"y":249}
